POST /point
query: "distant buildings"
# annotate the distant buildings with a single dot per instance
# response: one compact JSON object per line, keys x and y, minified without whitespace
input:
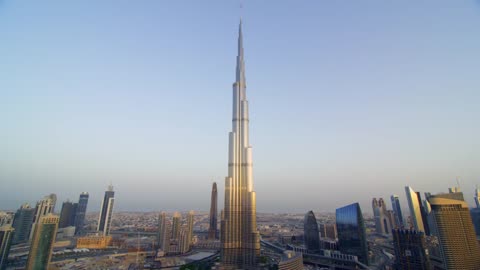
{"x":106,"y":211}
{"x":328,"y":231}
{"x":212,"y":230}
{"x":175,"y":236}
{"x":452,"y":224}
{"x":383,"y":222}
{"x":352,"y":237}
{"x":81,"y":212}
{"x":311,"y":234}
{"x":415,"y":208}
{"x":22,"y":223}
{"x":6,"y":236}
{"x":42,"y":242}
{"x":410,"y":250}
{"x":397,"y":209}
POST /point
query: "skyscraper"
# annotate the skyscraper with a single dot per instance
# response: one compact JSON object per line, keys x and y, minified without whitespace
{"x":240,"y":239}
{"x":6,"y":236}
{"x":190,"y":221}
{"x":477,"y":197}
{"x":176,"y":222}
{"x":42,"y":242}
{"x":311,"y":235}
{"x":410,"y":250}
{"x":453,"y":226}
{"x":44,"y":207}
{"x":212,"y":230}
{"x":67,"y":214}
{"x":415,"y":210}
{"x":105,"y":218}
{"x":352,"y":237}
{"x":81,"y":212}
{"x":382,"y":219}
{"x":22,"y":223}
{"x":397,"y":209}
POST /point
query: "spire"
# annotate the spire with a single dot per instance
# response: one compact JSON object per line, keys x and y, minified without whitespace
{"x":240,"y":61}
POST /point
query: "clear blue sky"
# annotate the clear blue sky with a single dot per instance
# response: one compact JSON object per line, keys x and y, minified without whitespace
{"x":349,"y":100}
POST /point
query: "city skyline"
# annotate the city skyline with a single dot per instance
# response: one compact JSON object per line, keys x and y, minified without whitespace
{"x":367,"y":111}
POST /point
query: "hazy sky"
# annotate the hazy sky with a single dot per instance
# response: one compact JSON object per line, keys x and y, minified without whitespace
{"x":349,"y":100}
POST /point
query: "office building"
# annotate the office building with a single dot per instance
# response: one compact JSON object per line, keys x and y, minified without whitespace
{"x":179,"y":242}
{"x":94,"y":242}
{"x":22,"y":223}
{"x":311,"y":234}
{"x":80,"y":213}
{"x":6,"y":237}
{"x":240,"y":239}
{"x":352,"y":237}
{"x":410,"y":250}
{"x":397,"y":209}
{"x":328,"y":231}
{"x":415,"y":209}
{"x":477,"y":197}
{"x":163,"y":235}
{"x":452,"y":224}
{"x":67,"y":214}
{"x":176,"y":222}
{"x":212,"y":230}
{"x":475,"y":214}
{"x":382,"y":220}
{"x":6,"y":218}
{"x":42,"y":242}
{"x":44,"y":207}
{"x":106,"y":212}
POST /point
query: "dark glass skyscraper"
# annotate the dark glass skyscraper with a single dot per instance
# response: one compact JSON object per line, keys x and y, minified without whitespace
{"x":22,"y":223}
{"x":105,"y":218}
{"x":311,"y":235}
{"x":410,"y":250}
{"x":352,"y":237}
{"x":67,"y":214}
{"x":81,"y":212}
{"x":397,"y":209}
{"x":212,"y":230}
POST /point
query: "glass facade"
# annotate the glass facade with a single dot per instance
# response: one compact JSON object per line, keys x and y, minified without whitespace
{"x":311,"y":233}
{"x":80,"y":214}
{"x":351,"y":232}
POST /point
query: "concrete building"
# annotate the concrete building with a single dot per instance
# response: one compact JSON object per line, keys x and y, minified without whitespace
{"x":382,"y":219}
{"x":94,"y":242}
{"x":328,"y":230}
{"x":6,"y":237}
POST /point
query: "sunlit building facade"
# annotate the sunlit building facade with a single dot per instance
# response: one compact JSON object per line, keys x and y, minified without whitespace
{"x":352,"y":238}
{"x":415,"y":209}
{"x":43,"y":239}
{"x":106,"y":212}
{"x":240,"y":239}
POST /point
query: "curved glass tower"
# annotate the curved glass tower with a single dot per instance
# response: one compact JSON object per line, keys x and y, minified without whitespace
{"x":352,"y":238}
{"x":310,"y":232}
{"x":240,"y":240}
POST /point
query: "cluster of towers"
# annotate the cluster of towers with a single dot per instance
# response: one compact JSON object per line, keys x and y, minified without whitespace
{"x":175,"y":235}
{"x":39,"y":226}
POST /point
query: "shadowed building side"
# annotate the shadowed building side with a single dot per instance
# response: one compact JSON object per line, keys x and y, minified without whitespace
{"x":212,"y":230}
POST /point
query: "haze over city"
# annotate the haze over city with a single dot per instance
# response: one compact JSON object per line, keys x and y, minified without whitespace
{"x":349,"y":101}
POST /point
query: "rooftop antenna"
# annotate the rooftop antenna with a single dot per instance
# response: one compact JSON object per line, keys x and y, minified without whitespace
{"x":458,"y":182}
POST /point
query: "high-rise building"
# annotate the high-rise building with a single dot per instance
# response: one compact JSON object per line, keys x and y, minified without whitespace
{"x":212,"y":230}
{"x":106,"y":212}
{"x":22,"y":223}
{"x":397,"y":209}
{"x":352,"y":237}
{"x":475,"y":214}
{"x":44,"y":207}
{"x":410,"y":250}
{"x":311,"y":234}
{"x":67,"y":214}
{"x":291,"y":261}
{"x":452,"y":224}
{"x":190,"y":221}
{"x":176,"y":222}
{"x":477,"y":197}
{"x":6,"y":218}
{"x":42,"y":242}
{"x":6,"y":236}
{"x":80,"y":213}
{"x":240,"y":239}
{"x":415,"y":209}
{"x":163,"y":235}
{"x":382,"y":220}
{"x":328,"y":231}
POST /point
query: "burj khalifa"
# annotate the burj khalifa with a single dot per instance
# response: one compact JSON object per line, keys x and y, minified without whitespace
{"x":240,"y":239}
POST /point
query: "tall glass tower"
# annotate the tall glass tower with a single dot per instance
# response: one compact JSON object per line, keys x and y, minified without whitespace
{"x":42,"y":242}
{"x":240,"y":239}
{"x":311,"y":234}
{"x":397,"y":209}
{"x":352,"y":238}
{"x":105,"y":219}
{"x":81,"y":212}
{"x":212,"y":230}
